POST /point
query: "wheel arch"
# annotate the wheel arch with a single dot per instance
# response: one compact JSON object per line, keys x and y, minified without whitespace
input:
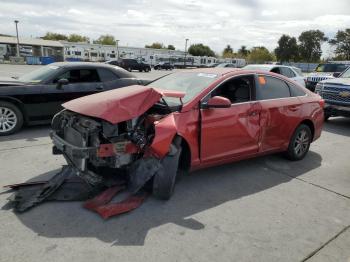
{"x":17,"y":103}
{"x":310,"y":124}
{"x":185,"y":157}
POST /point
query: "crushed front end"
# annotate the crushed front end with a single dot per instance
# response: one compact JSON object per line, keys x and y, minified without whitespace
{"x":97,"y":148}
{"x":112,"y":141}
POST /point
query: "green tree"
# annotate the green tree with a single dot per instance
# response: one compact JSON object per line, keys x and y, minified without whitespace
{"x":155,"y":45}
{"x":171,"y":47}
{"x":287,"y":49}
{"x":228,"y":52}
{"x":259,"y":55}
{"x":77,"y":38}
{"x":342,"y":43}
{"x":200,"y":50}
{"x":310,"y":45}
{"x":105,"y":40}
{"x":54,"y":36}
{"x":243,"y":52}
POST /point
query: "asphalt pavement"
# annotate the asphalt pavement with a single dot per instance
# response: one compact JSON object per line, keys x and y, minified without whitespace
{"x":263,"y":209}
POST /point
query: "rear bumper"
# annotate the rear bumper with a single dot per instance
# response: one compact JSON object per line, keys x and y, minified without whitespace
{"x":335,"y":110}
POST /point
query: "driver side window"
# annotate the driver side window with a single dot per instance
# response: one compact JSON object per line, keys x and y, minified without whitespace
{"x":80,"y":76}
{"x":237,"y":90}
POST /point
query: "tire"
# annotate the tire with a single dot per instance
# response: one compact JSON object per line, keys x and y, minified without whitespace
{"x":129,"y":69}
{"x":11,"y":118}
{"x":326,"y":117}
{"x":140,"y":70}
{"x":299,"y":143}
{"x":147,"y":69}
{"x":165,"y":178}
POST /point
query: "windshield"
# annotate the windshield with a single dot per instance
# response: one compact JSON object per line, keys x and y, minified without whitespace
{"x":257,"y":67}
{"x":192,"y":83}
{"x":346,"y":73}
{"x":298,"y":71}
{"x":330,"y":68}
{"x":39,"y":75}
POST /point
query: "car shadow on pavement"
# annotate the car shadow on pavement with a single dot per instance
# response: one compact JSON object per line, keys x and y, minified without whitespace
{"x":198,"y":192}
{"x":338,"y":126}
{"x":31,"y":133}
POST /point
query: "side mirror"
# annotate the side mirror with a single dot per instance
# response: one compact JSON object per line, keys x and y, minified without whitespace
{"x":217,"y":102}
{"x":336,"y":74}
{"x":62,"y":82}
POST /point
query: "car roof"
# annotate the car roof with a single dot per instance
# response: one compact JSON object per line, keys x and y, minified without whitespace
{"x":79,"y":64}
{"x":122,"y":72}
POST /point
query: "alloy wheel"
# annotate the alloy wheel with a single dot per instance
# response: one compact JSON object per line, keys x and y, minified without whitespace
{"x":301,"y":142}
{"x":8,"y":119}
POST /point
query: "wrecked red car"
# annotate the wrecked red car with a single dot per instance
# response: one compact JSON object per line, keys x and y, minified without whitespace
{"x":185,"y":121}
{"x":142,"y":138}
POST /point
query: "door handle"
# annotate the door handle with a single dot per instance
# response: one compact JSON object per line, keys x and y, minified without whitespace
{"x":293,"y":108}
{"x":99,"y":88}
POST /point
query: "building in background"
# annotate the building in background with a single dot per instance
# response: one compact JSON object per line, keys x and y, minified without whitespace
{"x":43,"y":50}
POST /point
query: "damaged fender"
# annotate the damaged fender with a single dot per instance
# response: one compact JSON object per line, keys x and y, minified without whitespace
{"x":165,"y":131}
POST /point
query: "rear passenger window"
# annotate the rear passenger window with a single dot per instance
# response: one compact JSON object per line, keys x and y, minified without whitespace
{"x":271,"y":88}
{"x":106,"y":75}
{"x":296,"y":91}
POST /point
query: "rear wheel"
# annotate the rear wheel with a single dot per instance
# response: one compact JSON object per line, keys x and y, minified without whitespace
{"x":11,"y":118}
{"x":146,"y":69}
{"x":300,"y":143}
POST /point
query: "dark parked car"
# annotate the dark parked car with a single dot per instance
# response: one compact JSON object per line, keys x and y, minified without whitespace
{"x":166,"y":66}
{"x":130,"y":64}
{"x":226,"y":65}
{"x":35,"y":97}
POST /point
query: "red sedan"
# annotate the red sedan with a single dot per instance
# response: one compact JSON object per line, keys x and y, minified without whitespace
{"x":185,"y":121}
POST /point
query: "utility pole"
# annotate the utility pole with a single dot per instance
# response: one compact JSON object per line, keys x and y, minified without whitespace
{"x":16,"y":22}
{"x":117,"y":43}
{"x":185,"y":52}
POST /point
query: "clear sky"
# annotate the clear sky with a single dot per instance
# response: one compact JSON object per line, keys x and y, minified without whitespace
{"x":215,"y":23}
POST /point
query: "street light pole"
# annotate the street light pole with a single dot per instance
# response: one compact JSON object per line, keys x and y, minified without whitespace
{"x":16,"y":22}
{"x":117,"y":43}
{"x":185,"y":52}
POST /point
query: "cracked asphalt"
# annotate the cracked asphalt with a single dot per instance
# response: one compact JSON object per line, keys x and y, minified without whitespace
{"x":264,"y":209}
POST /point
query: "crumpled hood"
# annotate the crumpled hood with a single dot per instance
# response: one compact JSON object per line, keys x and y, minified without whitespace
{"x":120,"y":104}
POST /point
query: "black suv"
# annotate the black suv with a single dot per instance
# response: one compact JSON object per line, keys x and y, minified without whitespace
{"x":130,"y":64}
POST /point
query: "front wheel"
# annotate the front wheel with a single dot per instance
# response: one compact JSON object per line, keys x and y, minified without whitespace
{"x":165,"y":178}
{"x":326,"y":116}
{"x":11,"y":118}
{"x":300,"y":143}
{"x":147,"y":69}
